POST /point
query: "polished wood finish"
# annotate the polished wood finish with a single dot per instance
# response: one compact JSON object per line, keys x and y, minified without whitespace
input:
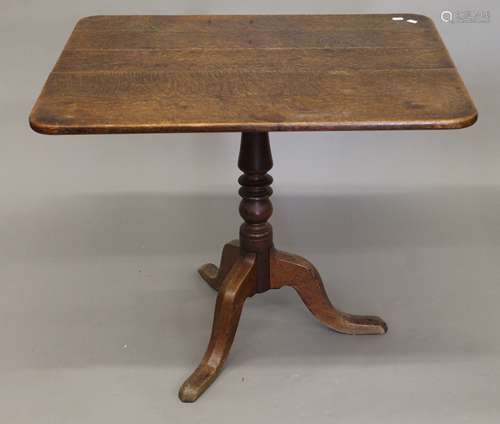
{"x":256,"y":234}
{"x":254,"y":74}
{"x":252,"y":265}
{"x":299,"y":273}
{"x":296,"y":272}
{"x":215,"y":276}
{"x":238,"y":284}
{"x":121,"y":74}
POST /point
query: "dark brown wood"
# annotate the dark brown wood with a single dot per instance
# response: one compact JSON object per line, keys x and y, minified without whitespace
{"x":274,"y":270}
{"x":215,"y":276}
{"x":238,"y":284}
{"x":299,"y":273}
{"x":121,"y":74}
{"x":256,"y":234}
{"x":254,"y":74}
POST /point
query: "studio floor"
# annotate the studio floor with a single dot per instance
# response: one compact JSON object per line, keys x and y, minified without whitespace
{"x":110,"y":317}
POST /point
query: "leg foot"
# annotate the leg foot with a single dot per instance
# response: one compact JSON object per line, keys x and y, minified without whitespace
{"x":297,"y":272}
{"x":238,"y":284}
{"x":213,"y":275}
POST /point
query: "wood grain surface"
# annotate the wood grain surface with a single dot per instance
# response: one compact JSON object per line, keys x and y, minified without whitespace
{"x":120,"y":74}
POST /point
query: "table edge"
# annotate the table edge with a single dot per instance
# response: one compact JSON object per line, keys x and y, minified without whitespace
{"x":39,"y":125}
{"x":42,"y":127}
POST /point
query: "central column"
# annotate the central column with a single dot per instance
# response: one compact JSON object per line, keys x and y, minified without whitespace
{"x":256,"y":234}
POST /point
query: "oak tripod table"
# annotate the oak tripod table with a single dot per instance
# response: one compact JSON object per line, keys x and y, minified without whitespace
{"x":254,"y":75}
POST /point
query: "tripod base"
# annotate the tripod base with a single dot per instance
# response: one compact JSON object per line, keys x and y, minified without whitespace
{"x":236,"y":279}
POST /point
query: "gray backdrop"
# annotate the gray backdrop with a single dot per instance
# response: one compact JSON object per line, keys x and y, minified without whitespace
{"x":102,"y":314}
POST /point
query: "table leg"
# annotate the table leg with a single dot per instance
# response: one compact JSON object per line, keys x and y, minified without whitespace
{"x":238,"y":284}
{"x":299,"y":273}
{"x":213,"y":275}
{"x":252,"y":265}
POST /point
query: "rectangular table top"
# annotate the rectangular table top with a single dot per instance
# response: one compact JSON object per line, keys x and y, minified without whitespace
{"x":121,"y":74}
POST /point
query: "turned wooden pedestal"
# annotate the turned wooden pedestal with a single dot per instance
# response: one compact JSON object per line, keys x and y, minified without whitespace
{"x":253,"y":75}
{"x":252,"y":265}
